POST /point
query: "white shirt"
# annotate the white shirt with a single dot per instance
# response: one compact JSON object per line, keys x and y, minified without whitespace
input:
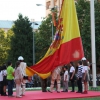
{"x":1,"y":76}
{"x":85,"y":68}
{"x":66,"y":75}
{"x":23,"y":68}
{"x":72,"y":69}
{"x":4,"y":72}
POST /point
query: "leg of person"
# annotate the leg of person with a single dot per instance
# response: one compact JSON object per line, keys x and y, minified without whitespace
{"x":17,"y":90}
{"x":45,"y":87}
{"x":85,"y":88}
{"x":2,"y":92}
{"x":58,"y":85}
{"x":4,"y":89}
{"x":66,"y":86}
{"x":4,"y":85}
{"x":88,"y":85}
{"x":12,"y":85}
{"x":0,"y":87}
{"x":42,"y":84}
{"x":72,"y":82}
{"x":52,"y":85}
{"x":18,"y":87}
{"x":80,"y":85}
{"x":63,"y":85}
{"x":23,"y":89}
{"x":9,"y":88}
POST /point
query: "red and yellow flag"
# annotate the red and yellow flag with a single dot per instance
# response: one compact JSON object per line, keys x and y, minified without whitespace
{"x":67,"y":44}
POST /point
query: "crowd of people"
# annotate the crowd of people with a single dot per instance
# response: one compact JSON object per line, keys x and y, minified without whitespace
{"x":17,"y":75}
{"x":82,"y":77}
{"x":9,"y":76}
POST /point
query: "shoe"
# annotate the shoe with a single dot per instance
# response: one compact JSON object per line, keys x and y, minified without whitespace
{"x":5,"y":95}
{"x":78,"y":92}
{"x":22,"y":95}
{"x":11,"y":96}
{"x":49,"y":91}
{"x":58,"y":91}
{"x":44,"y":91}
{"x":62,"y":91}
{"x":85,"y":92}
{"x":72,"y":91}
{"x":18,"y":96}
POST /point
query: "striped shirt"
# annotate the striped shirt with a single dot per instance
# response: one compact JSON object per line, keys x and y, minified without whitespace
{"x":79,"y":73}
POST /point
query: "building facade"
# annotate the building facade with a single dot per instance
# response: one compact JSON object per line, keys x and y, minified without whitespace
{"x":51,"y":4}
{"x":55,"y":3}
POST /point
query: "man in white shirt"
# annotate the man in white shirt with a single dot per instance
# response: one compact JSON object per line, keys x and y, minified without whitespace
{"x":72,"y":76}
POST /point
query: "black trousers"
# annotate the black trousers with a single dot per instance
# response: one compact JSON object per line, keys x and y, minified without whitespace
{"x":79,"y":84}
{"x":1,"y":88}
{"x":72,"y":82}
{"x":44,"y":84}
{"x":73,"y":85}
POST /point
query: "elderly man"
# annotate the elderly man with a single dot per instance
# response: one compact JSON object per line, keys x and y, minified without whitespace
{"x":55,"y":75}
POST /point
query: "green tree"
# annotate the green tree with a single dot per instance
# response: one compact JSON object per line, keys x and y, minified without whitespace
{"x":22,"y":40}
{"x":43,"y":37}
{"x":83,"y":12}
{"x":5,"y":39}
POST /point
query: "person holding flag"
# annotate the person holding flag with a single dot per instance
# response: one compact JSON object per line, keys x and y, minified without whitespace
{"x":55,"y":75}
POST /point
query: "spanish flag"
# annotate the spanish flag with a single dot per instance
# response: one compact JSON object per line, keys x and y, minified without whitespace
{"x":67,"y":44}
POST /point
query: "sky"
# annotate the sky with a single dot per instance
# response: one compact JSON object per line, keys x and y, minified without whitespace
{"x":9,"y":9}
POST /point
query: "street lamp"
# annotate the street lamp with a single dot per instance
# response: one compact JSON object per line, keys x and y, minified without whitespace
{"x":33,"y":23}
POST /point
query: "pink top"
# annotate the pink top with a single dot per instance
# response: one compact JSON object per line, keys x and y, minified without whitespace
{"x":18,"y":74}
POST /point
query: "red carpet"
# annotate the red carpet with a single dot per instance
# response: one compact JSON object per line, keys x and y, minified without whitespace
{"x":36,"y":95}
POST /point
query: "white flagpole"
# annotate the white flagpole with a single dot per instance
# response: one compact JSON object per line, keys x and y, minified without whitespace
{"x":93,"y":42}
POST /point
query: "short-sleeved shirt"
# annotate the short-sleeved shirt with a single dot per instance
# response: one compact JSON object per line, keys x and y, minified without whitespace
{"x":66,"y":75}
{"x":10,"y":72}
{"x":4,"y":72}
{"x":1,"y":76}
{"x":72,"y":69}
{"x":85,"y":68}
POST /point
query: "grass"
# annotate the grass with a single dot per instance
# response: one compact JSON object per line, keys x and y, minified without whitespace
{"x":39,"y":88}
{"x":96,"y":98}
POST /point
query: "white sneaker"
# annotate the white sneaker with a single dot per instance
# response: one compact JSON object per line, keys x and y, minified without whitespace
{"x":18,"y":96}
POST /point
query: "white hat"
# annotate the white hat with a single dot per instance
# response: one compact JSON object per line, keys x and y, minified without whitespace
{"x":20,"y":58}
{"x":83,"y":58}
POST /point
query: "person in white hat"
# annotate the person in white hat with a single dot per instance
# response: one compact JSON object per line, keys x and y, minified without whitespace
{"x":83,"y":58}
{"x":23,"y":66}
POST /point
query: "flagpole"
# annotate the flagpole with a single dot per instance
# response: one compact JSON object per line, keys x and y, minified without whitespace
{"x":93,"y":42}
